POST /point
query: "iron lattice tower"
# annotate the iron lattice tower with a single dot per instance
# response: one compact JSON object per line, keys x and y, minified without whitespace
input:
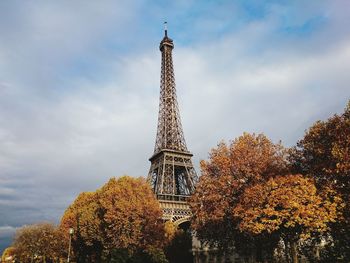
{"x":172,"y":175}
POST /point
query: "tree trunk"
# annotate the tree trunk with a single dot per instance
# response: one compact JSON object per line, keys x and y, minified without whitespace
{"x":259,"y":252}
{"x":317,"y":252}
{"x":227,"y":256}
{"x":252,"y":256}
{"x":287,"y":250}
{"x":294,"y":251}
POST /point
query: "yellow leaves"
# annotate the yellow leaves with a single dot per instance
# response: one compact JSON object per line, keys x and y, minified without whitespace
{"x":8,"y":252}
{"x":326,"y":149}
{"x":245,"y":184}
{"x":82,"y":217}
{"x":122,"y":214}
{"x":293,"y":203}
{"x":39,"y":239}
{"x":249,"y":157}
{"x":231,"y":169}
{"x":324,"y":154}
{"x":255,"y":158}
{"x":170,"y":231}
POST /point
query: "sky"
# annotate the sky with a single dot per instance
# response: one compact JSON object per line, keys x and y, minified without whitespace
{"x":79,"y":86}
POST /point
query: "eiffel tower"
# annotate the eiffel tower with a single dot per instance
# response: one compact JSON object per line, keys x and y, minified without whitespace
{"x":172,"y":176}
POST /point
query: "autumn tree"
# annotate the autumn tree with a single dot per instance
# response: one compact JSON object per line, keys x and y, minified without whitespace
{"x":120,"y":220}
{"x":131,"y":215}
{"x":39,"y":241}
{"x":8,"y":255}
{"x":288,"y":205}
{"x":246,"y":161}
{"x":84,"y":217}
{"x":170,"y":230}
{"x":324,"y":154}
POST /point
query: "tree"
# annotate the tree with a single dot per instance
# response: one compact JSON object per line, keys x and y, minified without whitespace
{"x":131,"y":215}
{"x":8,"y":255}
{"x":246,"y":161}
{"x":170,"y":230}
{"x":39,"y":241}
{"x":289,"y":205}
{"x":83,"y":216}
{"x":324,"y":154}
{"x":121,"y":221}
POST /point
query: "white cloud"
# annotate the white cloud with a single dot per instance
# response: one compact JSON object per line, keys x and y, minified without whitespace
{"x":6,"y":231}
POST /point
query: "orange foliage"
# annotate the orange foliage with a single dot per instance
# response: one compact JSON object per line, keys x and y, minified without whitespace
{"x":248,"y":160}
{"x":286,"y":203}
{"x":82,"y":216}
{"x":324,"y":154}
{"x":123,"y":214}
{"x":170,"y":231}
{"x":132,"y":215}
{"x":41,"y":240}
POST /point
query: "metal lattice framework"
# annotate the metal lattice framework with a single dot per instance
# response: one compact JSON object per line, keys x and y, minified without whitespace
{"x":169,"y":133}
{"x":171,"y":175}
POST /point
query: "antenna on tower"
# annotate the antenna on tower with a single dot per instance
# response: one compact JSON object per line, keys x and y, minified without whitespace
{"x":166,"y":28}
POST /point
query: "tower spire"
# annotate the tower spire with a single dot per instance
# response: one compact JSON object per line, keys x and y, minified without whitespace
{"x":166,"y":28}
{"x":169,"y":132}
{"x":171,"y":175}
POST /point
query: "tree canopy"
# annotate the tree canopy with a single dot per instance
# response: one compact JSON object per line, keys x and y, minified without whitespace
{"x":123,"y":215}
{"x":248,"y":198}
{"x":40,"y":241}
{"x":8,"y":255}
{"x":324,"y":154}
{"x":290,"y":204}
{"x":246,"y":161}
